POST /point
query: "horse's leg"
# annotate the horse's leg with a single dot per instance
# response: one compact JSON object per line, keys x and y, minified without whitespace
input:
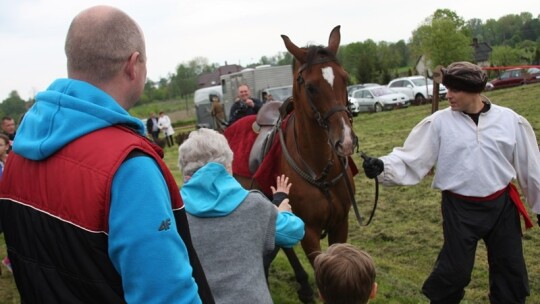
{"x":305,"y":293}
{"x":267,"y":260}
{"x":339,"y":234}
{"x":311,"y":243}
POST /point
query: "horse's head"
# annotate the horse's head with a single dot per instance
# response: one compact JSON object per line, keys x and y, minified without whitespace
{"x":320,"y":91}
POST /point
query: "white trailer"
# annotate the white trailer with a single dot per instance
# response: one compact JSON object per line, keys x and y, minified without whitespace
{"x":258,"y":80}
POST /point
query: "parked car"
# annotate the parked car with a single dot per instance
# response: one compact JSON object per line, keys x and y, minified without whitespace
{"x":417,"y":88}
{"x":534,"y":75}
{"x":514,"y":77}
{"x":377,"y":99}
{"x":355,"y":87}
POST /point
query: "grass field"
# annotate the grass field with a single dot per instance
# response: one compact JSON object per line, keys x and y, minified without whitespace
{"x":405,"y":235}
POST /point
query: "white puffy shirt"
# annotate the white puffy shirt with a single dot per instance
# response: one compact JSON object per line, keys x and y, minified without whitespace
{"x":470,"y":160}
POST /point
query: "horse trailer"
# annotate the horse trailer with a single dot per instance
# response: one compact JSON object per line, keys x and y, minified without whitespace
{"x":258,"y":79}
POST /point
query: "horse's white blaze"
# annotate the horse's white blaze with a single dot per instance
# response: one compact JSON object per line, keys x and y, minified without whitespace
{"x":347,"y":144}
{"x":328,"y":75}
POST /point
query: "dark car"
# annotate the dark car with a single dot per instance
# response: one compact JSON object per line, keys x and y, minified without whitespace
{"x":514,"y":77}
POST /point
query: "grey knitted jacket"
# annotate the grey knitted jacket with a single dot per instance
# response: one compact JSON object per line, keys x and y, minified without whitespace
{"x":231,"y":250}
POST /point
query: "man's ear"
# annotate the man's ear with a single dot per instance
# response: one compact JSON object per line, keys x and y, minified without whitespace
{"x":131,"y":65}
{"x":374,"y":289}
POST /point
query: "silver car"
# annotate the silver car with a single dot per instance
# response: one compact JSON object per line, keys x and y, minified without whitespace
{"x":377,"y":99}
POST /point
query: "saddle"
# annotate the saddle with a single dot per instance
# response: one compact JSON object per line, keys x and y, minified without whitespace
{"x":266,"y":125}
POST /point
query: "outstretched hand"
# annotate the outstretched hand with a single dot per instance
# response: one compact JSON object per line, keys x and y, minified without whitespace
{"x":282,"y":185}
{"x":372,"y":166}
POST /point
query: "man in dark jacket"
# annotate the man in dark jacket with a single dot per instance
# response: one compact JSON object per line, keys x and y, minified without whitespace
{"x":152,"y":126}
{"x":245,"y":105}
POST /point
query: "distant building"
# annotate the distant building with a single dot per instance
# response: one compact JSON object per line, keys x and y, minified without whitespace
{"x":482,"y":51}
{"x":212,"y":79}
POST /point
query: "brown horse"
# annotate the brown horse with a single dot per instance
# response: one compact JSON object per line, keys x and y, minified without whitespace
{"x":317,"y":141}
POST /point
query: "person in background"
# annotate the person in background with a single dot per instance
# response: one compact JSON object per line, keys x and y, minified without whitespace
{"x":152,"y":127}
{"x":9,"y":129}
{"x":5,"y":145}
{"x":345,"y":274}
{"x":478,"y":149}
{"x":102,"y":225}
{"x":232,"y":228}
{"x":164,"y":124}
{"x":244,"y":105}
{"x":218,"y":114}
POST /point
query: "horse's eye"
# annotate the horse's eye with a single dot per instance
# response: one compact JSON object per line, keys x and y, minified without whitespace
{"x":311,"y":89}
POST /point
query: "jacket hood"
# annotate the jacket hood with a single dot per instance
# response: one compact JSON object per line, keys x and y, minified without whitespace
{"x":212,"y":192}
{"x":67,"y":110}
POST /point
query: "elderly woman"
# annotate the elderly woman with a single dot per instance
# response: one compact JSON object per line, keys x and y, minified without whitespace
{"x":232,"y":228}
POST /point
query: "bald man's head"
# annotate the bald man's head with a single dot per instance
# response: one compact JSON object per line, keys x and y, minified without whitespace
{"x":99,"y":41}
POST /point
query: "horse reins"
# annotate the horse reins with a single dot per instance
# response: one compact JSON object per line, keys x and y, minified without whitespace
{"x":355,"y":207}
{"x":320,"y":182}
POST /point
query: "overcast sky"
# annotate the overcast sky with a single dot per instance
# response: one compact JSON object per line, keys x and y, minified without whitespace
{"x":32,"y":32}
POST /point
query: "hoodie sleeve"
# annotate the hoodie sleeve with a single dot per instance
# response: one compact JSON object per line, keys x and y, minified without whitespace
{"x":144,"y":245}
{"x":289,"y":229}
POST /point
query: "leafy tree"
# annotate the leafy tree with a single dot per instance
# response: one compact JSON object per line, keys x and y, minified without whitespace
{"x":13,"y":106}
{"x":197,"y":66}
{"x":491,"y":28}
{"x":349,"y":56}
{"x":403,"y":53}
{"x":527,"y":49}
{"x":443,"y":39}
{"x":387,"y":58}
{"x":510,"y":29}
{"x":366,"y":70}
{"x":284,"y":58}
{"x":504,"y":56}
{"x":531,"y":29}
{"x":475,"y":27}
{"x":185,"y":80}
{"x":266,"y":60}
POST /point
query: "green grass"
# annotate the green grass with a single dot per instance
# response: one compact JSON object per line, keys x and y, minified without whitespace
{"x":405,"y":235}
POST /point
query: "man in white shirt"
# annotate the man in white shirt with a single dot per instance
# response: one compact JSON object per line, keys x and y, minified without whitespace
{"x":478,"y":148}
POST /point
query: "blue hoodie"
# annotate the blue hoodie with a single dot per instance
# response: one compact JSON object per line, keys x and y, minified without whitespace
{"x":69,"y":109}
{"x":213,"y":192}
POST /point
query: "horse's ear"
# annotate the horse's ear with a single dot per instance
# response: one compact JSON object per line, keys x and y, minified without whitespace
{"x":334,"y":40}
{"x":297,"y":52}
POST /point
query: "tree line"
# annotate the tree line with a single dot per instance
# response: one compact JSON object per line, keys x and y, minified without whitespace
{"x":443,"y":37}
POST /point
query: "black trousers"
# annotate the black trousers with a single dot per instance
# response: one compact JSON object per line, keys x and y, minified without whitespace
{"x":170,"y":141}
{"x":497,"y":223}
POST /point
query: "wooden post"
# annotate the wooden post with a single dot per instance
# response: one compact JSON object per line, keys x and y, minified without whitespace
{"x":435,"y":99}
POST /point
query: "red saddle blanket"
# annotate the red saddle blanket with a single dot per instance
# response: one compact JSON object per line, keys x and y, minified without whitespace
{"x":241,"y":137}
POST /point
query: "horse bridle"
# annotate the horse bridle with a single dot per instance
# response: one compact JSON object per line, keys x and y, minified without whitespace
{"x":322,"y":120}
